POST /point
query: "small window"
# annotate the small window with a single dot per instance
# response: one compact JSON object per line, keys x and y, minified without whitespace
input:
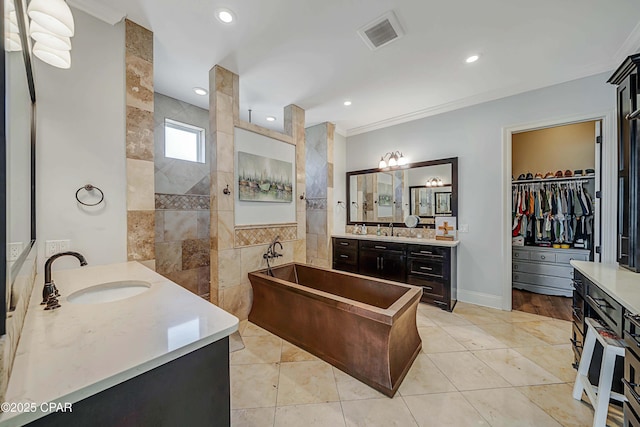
{"x":183,"y":141}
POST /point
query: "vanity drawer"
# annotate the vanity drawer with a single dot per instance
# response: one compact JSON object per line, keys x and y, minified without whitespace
{"x":430,"y":288}
{"x":536,"y":279}
{"x":567,"y":258}
{"x":345,"y":244}
{"x":609,"y":310}
{"x":545,"y":269}
{"x":520,"y":254}
{"x":345,"y":256}
{"x":429,"y":252}
{"x":426,"y":267}
{"x":382,"y":246}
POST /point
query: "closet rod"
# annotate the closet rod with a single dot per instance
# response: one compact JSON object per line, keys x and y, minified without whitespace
{"x":552,"y":180}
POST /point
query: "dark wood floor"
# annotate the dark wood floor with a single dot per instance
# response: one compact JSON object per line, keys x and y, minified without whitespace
{"x":544,"y":305}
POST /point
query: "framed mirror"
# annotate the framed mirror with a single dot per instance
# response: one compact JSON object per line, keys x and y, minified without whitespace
{"x":426,"y":189}
{"x":17,"y":204}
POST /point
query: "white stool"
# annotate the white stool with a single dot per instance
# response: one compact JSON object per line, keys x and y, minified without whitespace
{"x":599,"y":396}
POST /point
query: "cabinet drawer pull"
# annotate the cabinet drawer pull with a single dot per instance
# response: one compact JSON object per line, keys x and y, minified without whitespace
{"x":426,"y":252}
{"x":631,"y":388}
{"x":542,"y":257}
{"x":516,"y":255}
{"x":429,"y":288}
{"x":344,"y":256}
{"x":344,"y":243}
{"x":430,"y":255}
{"x":517,"y":277}
{"x":440,"y":303}
{"x":426,"y":268}
{"x":377,"y":263}
{"x":594,"y":301}
{"x":576,"y":343}
{"x":380,"y":247}
{"x":633,"y":319}
{"x":515,"y":267}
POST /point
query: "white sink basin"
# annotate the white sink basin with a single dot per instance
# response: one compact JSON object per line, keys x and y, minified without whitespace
{"x":109,"y":292}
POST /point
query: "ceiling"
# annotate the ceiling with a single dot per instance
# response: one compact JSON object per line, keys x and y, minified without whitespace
{"x":308,"y":52}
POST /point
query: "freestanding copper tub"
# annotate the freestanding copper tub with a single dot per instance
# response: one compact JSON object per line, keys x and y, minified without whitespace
{"x":365,"y":327}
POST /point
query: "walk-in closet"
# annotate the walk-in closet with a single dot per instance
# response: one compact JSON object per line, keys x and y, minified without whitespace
{"x":554,"y":213}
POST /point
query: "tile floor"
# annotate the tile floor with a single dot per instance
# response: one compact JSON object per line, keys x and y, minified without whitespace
{"x":478,"y":367}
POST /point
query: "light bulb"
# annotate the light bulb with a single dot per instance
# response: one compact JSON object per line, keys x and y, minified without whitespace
{"x":402,"y":160}
{"x":392,"y":161}
{"x":382,"y":163}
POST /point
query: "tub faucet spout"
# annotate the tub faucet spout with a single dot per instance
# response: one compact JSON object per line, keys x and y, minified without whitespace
{"x":272,"y":253}
{"x":50,"y":292}
{"x":391,"y":227}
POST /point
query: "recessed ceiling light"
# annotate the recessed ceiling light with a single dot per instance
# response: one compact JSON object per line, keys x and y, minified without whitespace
{"x":347,"y":103}
{"x":225,"y":16}
{"x":271,"y":119}
{"x":200,"y":91}
{"x":472,"y":58}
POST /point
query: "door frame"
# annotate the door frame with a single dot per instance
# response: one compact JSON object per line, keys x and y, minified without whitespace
{"x":606,"y":168}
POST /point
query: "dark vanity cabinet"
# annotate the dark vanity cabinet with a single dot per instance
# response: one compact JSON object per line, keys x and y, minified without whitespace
{"x":628,"y":114}
{"x":382,"y":260}
{"x":431,"y":267}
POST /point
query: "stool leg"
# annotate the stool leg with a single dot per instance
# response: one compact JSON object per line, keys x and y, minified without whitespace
{"x":585,"y":362}
{"x":601,"y":407}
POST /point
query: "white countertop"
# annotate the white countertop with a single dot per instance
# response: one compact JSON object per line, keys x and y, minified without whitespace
{"x":403,"y":239}
{"x":78,"y":350}
{"x":621,"y":284}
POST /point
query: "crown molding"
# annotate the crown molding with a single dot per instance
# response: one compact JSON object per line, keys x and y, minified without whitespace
{"x":98,"y":10}
{"x":630,"y":46}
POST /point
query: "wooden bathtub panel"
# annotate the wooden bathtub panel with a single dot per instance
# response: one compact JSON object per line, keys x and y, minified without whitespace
{"x":378,"y":350}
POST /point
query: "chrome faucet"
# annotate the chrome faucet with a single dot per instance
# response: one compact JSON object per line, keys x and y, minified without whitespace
{"x":50,"y":292}
{"x":391,"y":227}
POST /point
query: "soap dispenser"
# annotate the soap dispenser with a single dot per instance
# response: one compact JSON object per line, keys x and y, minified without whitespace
{"x":378,"y":231}
{"x":364,"y":228}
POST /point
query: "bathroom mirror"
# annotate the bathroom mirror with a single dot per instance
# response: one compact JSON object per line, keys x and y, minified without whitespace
{"x":426,"y":189}
{"x":18,"y":149}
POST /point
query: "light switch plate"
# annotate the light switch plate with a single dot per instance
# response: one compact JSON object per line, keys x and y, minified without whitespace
{"x":463,"y":228}
{"x":13,"y":251}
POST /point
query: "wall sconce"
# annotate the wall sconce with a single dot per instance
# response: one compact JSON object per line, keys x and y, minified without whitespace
{"x":434,"y":182}
{"x":395,"y":158}
{"x":51,"y":27}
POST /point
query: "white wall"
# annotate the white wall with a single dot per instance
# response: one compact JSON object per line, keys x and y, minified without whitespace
{"x":475,"y":135}
{"x":81,"y":140}
{"x":339,"y":183}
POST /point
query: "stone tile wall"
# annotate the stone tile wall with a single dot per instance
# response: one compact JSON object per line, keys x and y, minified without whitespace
{"x":236,"y":251}
{"x":319,"y":170}
{"x":139,"y":140}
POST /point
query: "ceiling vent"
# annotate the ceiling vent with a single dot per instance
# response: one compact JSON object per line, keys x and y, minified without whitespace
{"x":381,"y":31}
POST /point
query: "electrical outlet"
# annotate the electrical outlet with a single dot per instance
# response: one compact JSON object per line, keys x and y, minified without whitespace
{"x":64,"y":245}
{"x":13,"y":251}
{"x":51,"y":247}
{"x":464,"y":228}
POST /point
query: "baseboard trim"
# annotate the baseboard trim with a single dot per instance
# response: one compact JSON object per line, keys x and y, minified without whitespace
{"x":480,"y":298}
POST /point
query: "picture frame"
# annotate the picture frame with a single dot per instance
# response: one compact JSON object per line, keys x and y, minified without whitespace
{"x":263,"y":179}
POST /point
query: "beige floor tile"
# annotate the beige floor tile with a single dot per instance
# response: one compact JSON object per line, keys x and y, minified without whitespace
{"x":235,"y":342}
{"x":424,"y":307}
{"x":436,"y":340}
{"x":314,"y":415}
{"x":377,"y":413}
{"x":516,"y":368}
{"x":511,"y":335}
{"x":467,"y":372}
{"x":473,"y":338}
{"x":422,"y":321}
{"x":293,"y":353}
{"x":556,"y":359}
{"x":253,"y":330}
{"x":515,"y":315}
{"x":306,"y":382}
{"x":350,"y":388}
{"x":258,"y":349}
{"x":548,"y":331}
{"x":444,"y":409}
{"x":565,"y":325}
{"x":476,"y":314}
{"x":257,"y":417}
{"x":242,"y":325}
{"x":444,"y":318}
{"x":254,"y":386}
{"x":423,"y":378}
{"x":556,"y":400}
{"x":506,"y":407}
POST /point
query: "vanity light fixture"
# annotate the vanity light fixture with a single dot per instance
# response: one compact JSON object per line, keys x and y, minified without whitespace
{"x":472,"y":58}
{"x":271,"y":119}
{"x":346,"y":103}
{"x":47,"y":38}
{"x":200,"y":91}
{"x":54,"y":15}
{"x":434,"y":182}
{"x":392,"y":159}
{"x":55,"y":57}
{"x":225,"y":16}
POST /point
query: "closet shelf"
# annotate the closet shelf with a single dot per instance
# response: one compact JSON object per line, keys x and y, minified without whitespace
{"x":553,"y":180}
